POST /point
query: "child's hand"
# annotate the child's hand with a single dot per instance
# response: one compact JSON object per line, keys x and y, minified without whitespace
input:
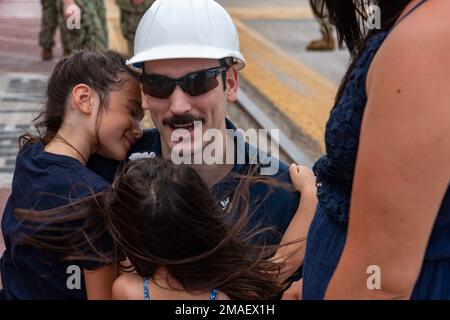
{"x":289,"y":258}
{"x":290,"y":255}
{"x":303,"y":178}
{"x":294,"y":292}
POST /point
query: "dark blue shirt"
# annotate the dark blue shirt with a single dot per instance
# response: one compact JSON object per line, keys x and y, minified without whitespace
{"x":274,"y":207}
{"x":44,"y":181}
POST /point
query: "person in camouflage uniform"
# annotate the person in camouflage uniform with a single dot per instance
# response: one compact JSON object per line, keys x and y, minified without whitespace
{"x":92,"y":32}
{"x":327,"y":42}
{"x":49,"y":23}
{"x":131,"y":12}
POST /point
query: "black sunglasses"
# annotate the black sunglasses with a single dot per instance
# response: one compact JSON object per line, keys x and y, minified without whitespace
{"x":194,"y":83}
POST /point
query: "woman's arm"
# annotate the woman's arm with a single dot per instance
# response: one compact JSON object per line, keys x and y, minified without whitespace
{"x":99,"y":282}
{"x":291,"y":256}
{"x":403,"y":163}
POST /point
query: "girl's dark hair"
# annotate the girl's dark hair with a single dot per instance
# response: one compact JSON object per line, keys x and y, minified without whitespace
{"x":164,"y":215}
{"x":101,"y":70}
{"x":350,"y":16}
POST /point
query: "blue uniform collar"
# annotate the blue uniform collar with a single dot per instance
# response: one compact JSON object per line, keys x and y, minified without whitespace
{"x":150,"y":144}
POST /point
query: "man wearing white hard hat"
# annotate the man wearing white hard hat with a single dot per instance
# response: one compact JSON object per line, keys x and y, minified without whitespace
{"x":175,"y":38}
{"x":189,"y":55}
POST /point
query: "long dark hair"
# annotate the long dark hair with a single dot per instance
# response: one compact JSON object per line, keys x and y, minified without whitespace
{"x":349,"y":17}
{"x":103,"y":71}
{"x":163,"y":215}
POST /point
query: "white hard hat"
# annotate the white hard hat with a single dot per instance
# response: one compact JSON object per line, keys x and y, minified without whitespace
{"x":173,"y":29}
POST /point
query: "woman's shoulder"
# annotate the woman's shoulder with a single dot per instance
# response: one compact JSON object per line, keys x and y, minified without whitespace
{"x":424,"y":29}
{"x":418,"y":47}
{"x":128,"y":286}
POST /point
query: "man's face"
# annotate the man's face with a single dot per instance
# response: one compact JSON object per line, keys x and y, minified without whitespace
{"x":180,"y":110}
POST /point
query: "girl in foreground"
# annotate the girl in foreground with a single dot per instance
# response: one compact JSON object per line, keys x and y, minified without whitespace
{"x":178,"y":239}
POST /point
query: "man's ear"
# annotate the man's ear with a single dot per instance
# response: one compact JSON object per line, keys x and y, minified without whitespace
{"x":232,"y":84}
{"x":83,"y":98}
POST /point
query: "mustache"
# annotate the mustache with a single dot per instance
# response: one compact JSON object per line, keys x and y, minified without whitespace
{"x":182,"y":119}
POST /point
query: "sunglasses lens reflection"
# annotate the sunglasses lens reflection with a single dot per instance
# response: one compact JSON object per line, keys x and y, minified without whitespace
{"x":194,"y":84}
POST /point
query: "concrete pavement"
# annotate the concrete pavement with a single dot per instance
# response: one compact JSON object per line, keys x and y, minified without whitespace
{"x":22,"y":80}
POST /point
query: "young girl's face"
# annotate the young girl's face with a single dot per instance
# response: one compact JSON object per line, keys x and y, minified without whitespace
{"x":119,"y":126}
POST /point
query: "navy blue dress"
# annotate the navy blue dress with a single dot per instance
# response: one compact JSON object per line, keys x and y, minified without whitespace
{"x":334,"y":173}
